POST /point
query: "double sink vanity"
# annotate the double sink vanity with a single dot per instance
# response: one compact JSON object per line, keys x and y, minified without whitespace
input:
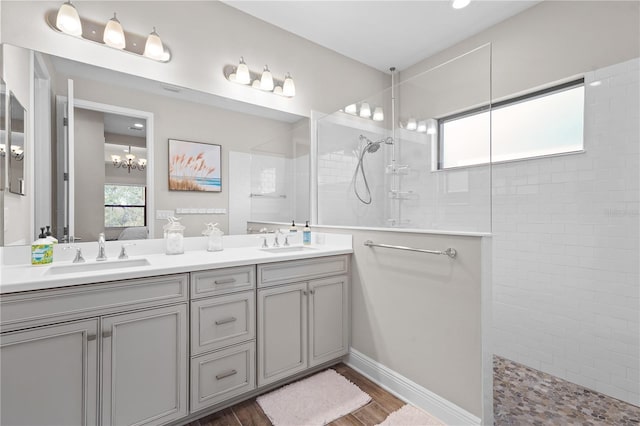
{"x":157,"y":339}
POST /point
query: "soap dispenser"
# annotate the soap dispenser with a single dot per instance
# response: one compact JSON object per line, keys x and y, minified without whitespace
{"x":41,"y":250}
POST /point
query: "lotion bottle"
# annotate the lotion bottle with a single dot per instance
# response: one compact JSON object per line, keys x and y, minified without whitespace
{"x":306,"y":234}
{"x":41,"y":250}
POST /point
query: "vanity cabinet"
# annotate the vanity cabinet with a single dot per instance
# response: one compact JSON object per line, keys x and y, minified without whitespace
{"x":223,"y":333}
{"x":121,"y":351}
{"x":49,"y":375}
{"x":302,"y":323}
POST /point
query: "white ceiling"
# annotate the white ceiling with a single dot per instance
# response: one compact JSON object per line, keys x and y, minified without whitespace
{"x":123,"y":125}
{"x":383,"y":34}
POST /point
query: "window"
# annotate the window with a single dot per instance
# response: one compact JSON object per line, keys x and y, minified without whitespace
{"x":546,"y":122}
{"x":124,"y":206}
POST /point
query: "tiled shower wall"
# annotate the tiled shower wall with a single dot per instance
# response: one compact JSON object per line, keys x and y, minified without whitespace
{"x":566,"y":248}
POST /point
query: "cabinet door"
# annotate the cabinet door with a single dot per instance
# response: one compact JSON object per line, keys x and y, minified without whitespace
{"x":282,"y":332}
{"x":49,"y":375}
{"x":144,"y":366}
{"x":328,"y":319}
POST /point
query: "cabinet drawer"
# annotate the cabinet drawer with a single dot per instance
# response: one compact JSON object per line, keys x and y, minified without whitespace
{"x":222,"y":281}
{"x":300,"y":270}
{"x":49,"y":306}
{"x":222,"y":321}
{"x":221,"y":375}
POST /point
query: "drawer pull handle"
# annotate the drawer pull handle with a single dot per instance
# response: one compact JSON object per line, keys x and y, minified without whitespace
{"x":226,"y":374}
{"x":106,"y":334}
{"x":225,"y":281}
{"x":304,"y":292}
{"x":225,"y":321}
{"x":91,"y":337}
{"x":312,"y":291}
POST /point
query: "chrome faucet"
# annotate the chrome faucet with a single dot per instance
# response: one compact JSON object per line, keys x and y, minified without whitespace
{"x":102,"y":255}
{"x":79,"y":258}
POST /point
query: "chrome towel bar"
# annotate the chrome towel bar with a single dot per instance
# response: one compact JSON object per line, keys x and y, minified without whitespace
{"x":449,"y":252}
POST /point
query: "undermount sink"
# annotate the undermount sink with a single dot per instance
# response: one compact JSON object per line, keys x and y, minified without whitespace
{"x":96,"y":266}
{"x":286,"y":249}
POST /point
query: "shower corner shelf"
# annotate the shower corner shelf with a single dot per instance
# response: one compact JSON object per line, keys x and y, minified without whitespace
{"x":397,"y":170}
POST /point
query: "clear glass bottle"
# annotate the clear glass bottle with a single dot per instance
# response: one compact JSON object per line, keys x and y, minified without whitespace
{"x":214,"y":237}
{"x":174,"y":238}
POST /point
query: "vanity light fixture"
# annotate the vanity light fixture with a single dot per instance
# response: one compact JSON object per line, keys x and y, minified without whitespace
{"x":351,"y":109}
{"x":263,"y":81}
{"x":154,"y":48}
{"x":129,"y":162}
{"x":427,"y":126}
{"x":266,"y":81}
{"x":422,"y":127}
{"x":365,"y":110}
{"x":460,"y":4}
{"x":114,"y":34}
{"x":66,"y":20}
{"x":378,"y":114}
{"x":412,"y":124}
{"x":17,"y":152}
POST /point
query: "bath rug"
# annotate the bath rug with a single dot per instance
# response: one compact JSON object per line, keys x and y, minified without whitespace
{"x":316,"y":400}
{"x":409,"y":415}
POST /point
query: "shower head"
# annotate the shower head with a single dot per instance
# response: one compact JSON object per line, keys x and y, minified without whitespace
{"x":372,"y":146}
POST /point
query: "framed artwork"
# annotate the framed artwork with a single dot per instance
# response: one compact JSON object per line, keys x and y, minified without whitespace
{"x":194,"y":166}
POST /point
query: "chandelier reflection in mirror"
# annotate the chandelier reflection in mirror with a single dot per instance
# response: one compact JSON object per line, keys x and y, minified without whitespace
{"x":129,"y":162}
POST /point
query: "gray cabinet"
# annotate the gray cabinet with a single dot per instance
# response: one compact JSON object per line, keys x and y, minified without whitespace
{"x":49,"y":375}
{"x":144,"y":366}
{"x":223,"y":335}
{"x":282,"y":332}
{"x":305,"y":323}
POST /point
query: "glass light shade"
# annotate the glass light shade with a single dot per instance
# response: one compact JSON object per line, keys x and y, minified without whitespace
{"x":154,"y":48}
{"x":351,"y":109}
{"x":116,"y":159}
{"x":17,"y":150}
{"x":142,"y":162}
{"x":242,"y":73}
{"x":232,"y":76}
{"x":378,"y":114}
{"x":256,"y":84}
{"x":365,"y":110}
{"x":432,"y":125}
{"x":288,"y":87}
{"x":422,"y":127}
{"x":68,"y":20}
{"x":114,"y":34}
{"x":412,"y":124}
{"x":459,"y":4}
{"x":130,"y":157}
{"x":277,"y":90}
{"x":266,"y":81}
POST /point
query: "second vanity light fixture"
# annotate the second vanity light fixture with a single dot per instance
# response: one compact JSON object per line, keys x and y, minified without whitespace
{"x":67,"y":20}
{"x":262,"y":81}
{"x":365,"y":111}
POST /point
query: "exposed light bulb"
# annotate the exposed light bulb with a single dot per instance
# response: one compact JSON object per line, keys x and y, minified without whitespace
{"x":412,"y":124}
{"x":365,"y":110}
{"x":114,"y":34}
{"x":154,"y":48}
{"x":68,"y":20}
{"x":288,"y":87}
{"x":378,"y":114}
{"x":422,"y":127}
{"x":351,"y":109}
{"x":242,"y":72}
{"x":266,"y":81}
{"x":460,"y":4}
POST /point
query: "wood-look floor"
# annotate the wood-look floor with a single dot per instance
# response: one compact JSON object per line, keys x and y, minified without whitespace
{"x":249,"y":413}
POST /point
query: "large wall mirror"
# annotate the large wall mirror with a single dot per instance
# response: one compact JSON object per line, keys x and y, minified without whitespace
{"x":16,"y":144}
{"x":87,"y":187}
{"x":3,"y":135}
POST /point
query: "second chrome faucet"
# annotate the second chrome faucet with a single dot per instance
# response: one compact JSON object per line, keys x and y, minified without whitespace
{"x":102,"y":254}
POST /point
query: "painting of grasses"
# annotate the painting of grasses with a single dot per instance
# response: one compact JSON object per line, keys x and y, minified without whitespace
{"x":194,"y":166}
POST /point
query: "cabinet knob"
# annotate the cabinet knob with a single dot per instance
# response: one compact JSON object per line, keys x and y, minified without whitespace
{"x":312,"y":291}
{"x":91,"y":337}
{"x":304,"y":292}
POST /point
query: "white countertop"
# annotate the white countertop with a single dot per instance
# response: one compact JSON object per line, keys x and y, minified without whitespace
{"x":24,"y":277}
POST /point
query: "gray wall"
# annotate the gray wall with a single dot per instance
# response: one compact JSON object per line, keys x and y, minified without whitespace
{"x":89,"y":176}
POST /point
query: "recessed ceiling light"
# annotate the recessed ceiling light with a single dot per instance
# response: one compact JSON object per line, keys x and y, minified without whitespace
{"x":595,"y":83}
{"x":459,"y":4}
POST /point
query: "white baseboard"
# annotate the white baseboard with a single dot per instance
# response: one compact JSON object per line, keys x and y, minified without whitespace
{"x":410,"y":391}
